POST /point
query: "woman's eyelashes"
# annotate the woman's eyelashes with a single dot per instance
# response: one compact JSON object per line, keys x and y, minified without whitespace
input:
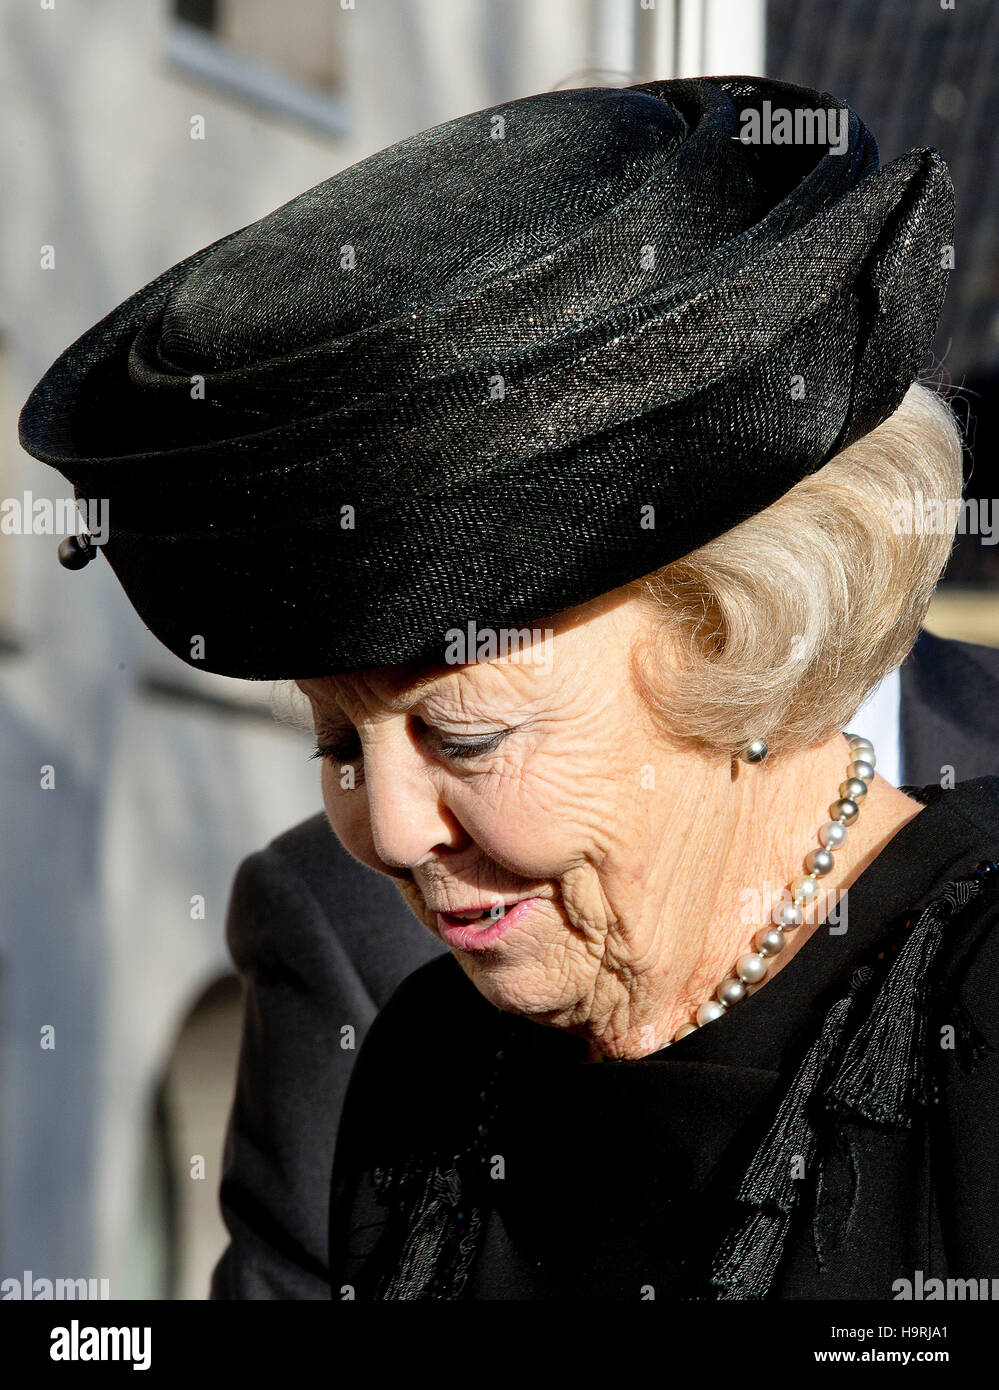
{"x":347,"y":749}
{"x":480,"y":747}
{"x":344,"y":750}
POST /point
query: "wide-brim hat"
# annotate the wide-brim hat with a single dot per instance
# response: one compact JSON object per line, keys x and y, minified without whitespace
{"x":497,"y":369}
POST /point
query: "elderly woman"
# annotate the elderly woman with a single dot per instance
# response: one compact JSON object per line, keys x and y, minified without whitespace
{"x":562,"y":456}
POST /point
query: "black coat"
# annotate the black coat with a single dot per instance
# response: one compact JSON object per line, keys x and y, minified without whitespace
{"x":321,"y":943}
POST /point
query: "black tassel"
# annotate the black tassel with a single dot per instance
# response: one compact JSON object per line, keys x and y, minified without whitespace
{"x":880,"y":1073}
{"x":745,"y":1266}
{"x":747,"y":1261}
{"x":886,"y":1070}
{"x":434,"y":1236}
{"x":836,"y":1192}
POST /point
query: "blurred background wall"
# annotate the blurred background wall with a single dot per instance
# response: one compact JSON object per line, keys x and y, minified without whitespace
{"x":115,"y":865}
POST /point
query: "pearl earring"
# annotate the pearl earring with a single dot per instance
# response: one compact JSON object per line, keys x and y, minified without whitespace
{"x":755,"y":751}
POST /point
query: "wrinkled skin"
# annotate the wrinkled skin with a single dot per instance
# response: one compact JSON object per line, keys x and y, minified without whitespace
{"x":641,"y":888}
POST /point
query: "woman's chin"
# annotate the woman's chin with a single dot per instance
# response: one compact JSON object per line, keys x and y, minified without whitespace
{"x":521,"y":985}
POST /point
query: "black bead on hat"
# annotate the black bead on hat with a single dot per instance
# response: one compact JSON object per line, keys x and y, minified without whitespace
{"x":454,"y":382}
{"x":75,"y":552}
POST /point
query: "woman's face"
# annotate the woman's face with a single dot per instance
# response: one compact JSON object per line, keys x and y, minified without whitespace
{"x":536,"y":790}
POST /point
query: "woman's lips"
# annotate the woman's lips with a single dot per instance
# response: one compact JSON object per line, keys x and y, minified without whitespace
{"x":478,"y":936}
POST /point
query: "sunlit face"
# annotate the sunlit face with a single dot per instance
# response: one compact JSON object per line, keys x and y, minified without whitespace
{"x":538,"y":791}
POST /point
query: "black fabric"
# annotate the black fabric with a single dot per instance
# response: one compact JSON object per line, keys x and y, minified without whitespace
{"x":620,"y":1176}
{"x":949,"y":710}
{"x":495,"y":352}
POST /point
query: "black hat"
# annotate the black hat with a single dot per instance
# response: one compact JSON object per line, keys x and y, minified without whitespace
{"x":497,"y":369}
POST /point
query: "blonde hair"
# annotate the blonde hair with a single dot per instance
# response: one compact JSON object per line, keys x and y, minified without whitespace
{"x":784,"y":625}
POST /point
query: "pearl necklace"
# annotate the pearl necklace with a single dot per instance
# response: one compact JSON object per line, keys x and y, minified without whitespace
{"x":752,"y":966}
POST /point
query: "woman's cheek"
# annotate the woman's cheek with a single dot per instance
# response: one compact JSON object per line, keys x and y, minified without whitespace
{"x":347,"y":813}
{"x":527,"y":837}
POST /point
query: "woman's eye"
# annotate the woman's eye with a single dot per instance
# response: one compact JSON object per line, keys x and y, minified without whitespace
{"x":347,"y":749}
{"x":477,"y":748}
{"x":343,"y":750}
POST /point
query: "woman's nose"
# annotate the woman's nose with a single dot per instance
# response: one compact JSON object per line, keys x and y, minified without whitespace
{"x":408,"y":815}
